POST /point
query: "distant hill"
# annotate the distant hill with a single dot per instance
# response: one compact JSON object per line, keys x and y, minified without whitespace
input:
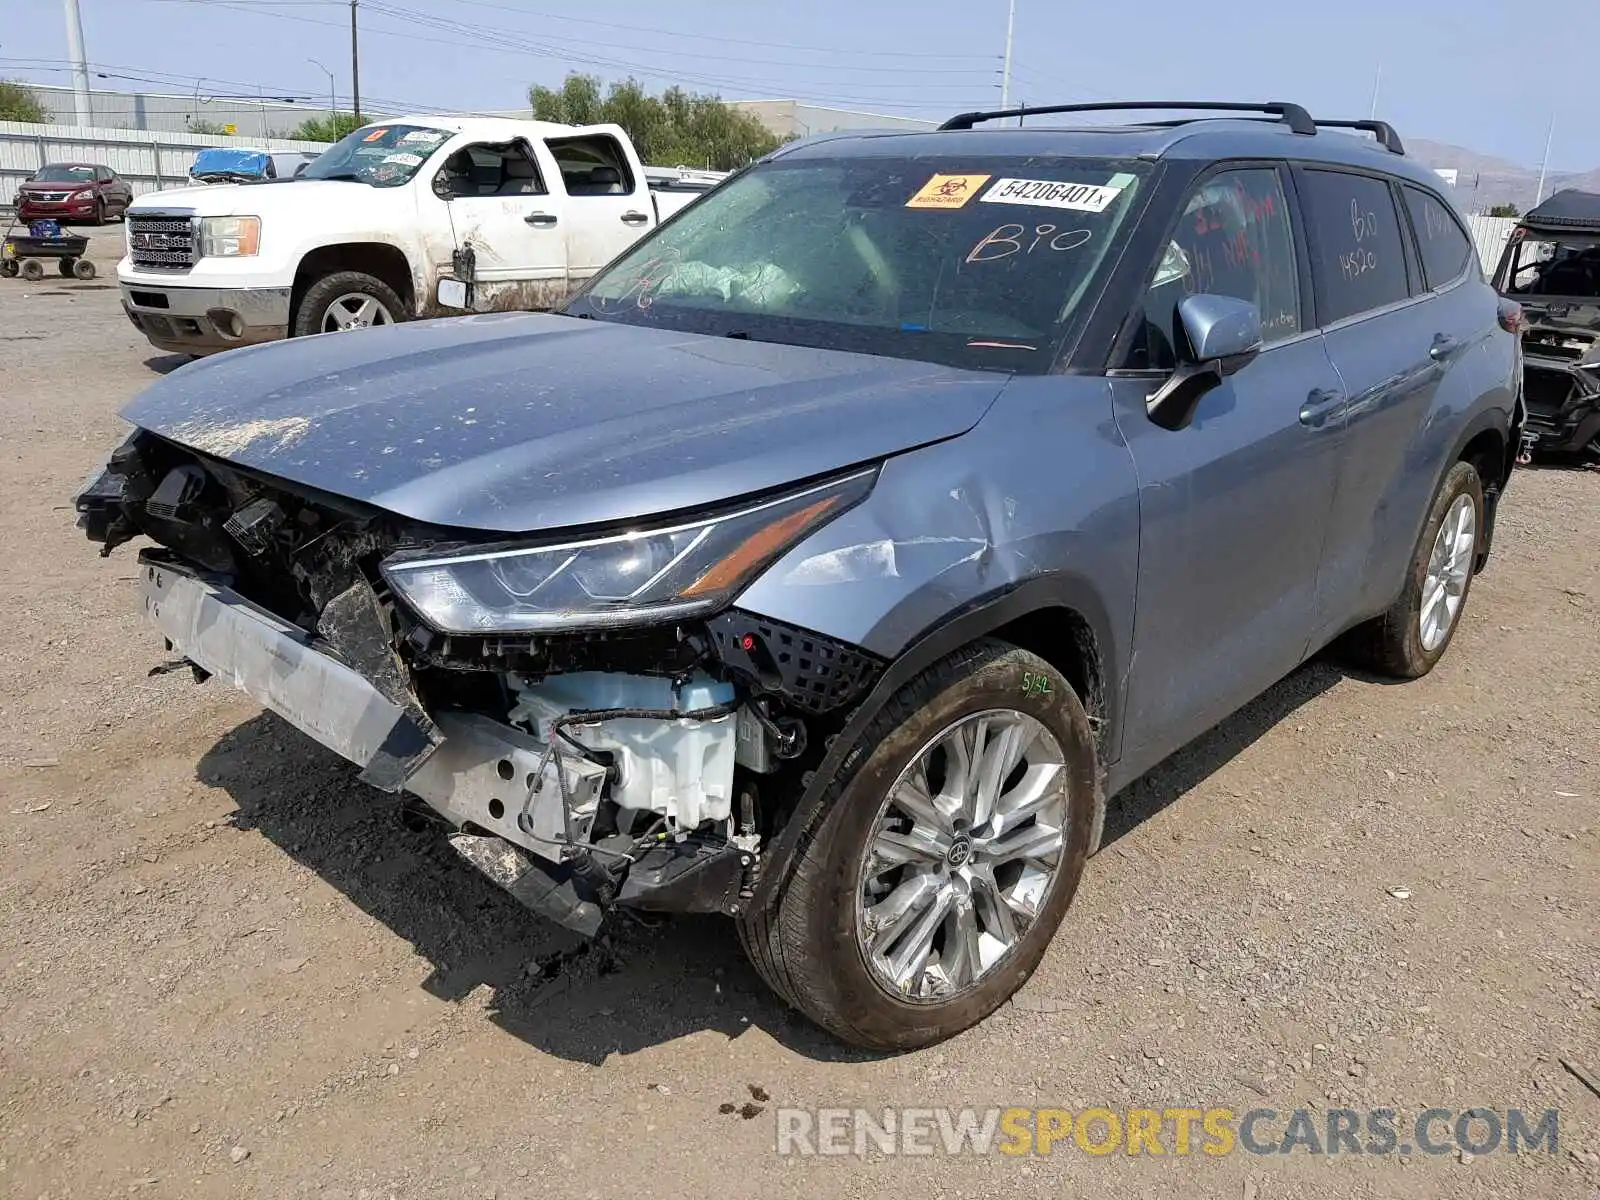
{"x":1485,"y":180}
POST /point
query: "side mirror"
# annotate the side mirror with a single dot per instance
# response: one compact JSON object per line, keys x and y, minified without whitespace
{"x":441,"y":186}
{"x":1224,"y":336}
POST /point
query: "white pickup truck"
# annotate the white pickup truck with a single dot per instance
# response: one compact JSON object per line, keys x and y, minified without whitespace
{"x":415,"y":217}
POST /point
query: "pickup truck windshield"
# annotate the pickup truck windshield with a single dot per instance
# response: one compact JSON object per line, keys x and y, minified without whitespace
{"x":383,"y":155}
{"x":973,"y":262}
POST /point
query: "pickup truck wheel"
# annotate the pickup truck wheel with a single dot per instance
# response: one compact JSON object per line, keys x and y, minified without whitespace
{"x":1413,"y":635}
{"x":346,"y":300}
{"x":954,"y":838}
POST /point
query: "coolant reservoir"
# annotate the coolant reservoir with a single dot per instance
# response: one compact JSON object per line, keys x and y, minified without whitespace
{"x":681,"y":768}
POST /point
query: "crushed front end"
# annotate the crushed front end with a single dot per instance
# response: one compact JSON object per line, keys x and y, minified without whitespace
{"x":591,"y":719}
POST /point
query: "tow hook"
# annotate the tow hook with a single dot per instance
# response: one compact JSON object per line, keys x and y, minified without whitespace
{"x":1525,"y":450}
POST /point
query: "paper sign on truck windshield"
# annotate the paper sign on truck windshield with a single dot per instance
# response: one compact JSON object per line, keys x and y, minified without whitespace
{"x":1052,"y":193}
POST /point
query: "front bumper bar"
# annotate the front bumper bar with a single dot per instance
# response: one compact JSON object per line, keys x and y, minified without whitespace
{"x":483,"y":774}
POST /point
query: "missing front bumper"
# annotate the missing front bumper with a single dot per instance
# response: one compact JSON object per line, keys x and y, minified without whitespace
{"x":471,"y":770}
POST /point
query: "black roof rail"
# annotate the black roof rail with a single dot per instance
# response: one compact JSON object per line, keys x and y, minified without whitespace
{"x":1382,"y":130}
{"x":1292,"y":115}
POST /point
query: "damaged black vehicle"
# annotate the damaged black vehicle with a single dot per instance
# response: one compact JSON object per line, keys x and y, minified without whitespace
{"x":1551,"y":267}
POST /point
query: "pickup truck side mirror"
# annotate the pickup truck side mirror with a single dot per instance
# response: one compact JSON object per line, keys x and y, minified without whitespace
{"x":441,"y":186}
{"x":1224,"y":336}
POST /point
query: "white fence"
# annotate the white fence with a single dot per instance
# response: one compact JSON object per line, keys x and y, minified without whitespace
{"x":1490,"y":234}
{"x":148,"y":160}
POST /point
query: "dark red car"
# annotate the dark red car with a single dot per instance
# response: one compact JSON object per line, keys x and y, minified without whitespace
{"x":73,"y":192}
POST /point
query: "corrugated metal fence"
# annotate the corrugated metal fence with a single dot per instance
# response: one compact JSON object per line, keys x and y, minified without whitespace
{"x":1490,"y":234}
{"x":149,"y":161}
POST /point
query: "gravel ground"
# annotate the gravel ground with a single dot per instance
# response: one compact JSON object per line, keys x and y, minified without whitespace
{"x":227,"y":970}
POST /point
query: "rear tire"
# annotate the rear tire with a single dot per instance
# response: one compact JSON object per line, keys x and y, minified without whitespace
{"x":9,"y":268}
{"x":336,"y":298}
{"x":1401,"y":644}
{"x":83,"y":269}
{"x":33,"y":270}
{"x":817,"y":946}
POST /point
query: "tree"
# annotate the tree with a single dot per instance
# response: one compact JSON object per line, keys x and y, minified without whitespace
{"x":19,"y":102}
{"x":1505,"y":210}
{"x":326,"y":129}
{"x":675,"y":129}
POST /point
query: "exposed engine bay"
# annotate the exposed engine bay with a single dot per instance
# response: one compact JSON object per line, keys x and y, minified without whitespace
{"x":645,"y":766}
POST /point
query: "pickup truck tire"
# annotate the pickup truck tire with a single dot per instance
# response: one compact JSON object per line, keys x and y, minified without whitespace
{"x":811,"y":944}
{"x":313,"y":314}
{"x":1401,"y":644}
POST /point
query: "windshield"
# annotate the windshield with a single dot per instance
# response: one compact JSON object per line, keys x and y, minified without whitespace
{"x":1536,"y":266}
{"x":65,"y":173}
{"x":972,"y":262}
{"x":380,"y":155}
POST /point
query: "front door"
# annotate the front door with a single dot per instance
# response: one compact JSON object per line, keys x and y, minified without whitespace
{"x":500,"y":205}
{"x":1232,"y":507}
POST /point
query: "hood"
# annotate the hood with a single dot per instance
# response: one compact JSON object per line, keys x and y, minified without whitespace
{"x":71,"y":185}
{"x":246,"y":199}
{"x":520,"y":422}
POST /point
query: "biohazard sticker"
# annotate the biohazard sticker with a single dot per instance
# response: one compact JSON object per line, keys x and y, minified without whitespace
{"x":1052,"y":193}
{"x":947,"y":191}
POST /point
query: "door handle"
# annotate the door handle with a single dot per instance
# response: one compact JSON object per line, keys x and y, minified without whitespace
{"x":1443,"y":347}
{"x":1320,"y":405}
{"x":635,"y":217}
{"x":542,"y":219}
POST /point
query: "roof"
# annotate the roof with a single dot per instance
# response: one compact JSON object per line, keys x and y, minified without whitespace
{"x":509,"y":126}
{"x":1568,"y":208}
{"x":1203,"y":140}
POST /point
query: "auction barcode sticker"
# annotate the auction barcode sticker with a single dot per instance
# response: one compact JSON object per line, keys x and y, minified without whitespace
{"x":1052,"y":193}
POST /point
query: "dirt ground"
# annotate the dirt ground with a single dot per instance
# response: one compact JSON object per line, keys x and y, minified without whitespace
{"x":227,"y":970}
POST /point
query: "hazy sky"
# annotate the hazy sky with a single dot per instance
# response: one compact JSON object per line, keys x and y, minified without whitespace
{"x":1446,"y":70}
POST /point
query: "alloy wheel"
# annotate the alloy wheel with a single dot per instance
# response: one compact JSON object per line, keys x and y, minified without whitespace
{"x":355,"y":310}
{"x":963,"y":855}
{"x":1449,"y":570}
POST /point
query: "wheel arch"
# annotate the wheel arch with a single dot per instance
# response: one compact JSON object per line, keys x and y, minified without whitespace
{"x":381,"y":260}
{"x":1060,"y":618}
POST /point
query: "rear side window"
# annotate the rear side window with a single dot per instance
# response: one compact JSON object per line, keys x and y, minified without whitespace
{"x":1446,"y":248}
{"x":592,"y":165}
{"x":1358,"y":256}
{"x":1234,"y":239}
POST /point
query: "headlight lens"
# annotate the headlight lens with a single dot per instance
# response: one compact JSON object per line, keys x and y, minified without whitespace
{"x":230,"y":237}
{"x":83,"y":195}
{"x":633,"y":578}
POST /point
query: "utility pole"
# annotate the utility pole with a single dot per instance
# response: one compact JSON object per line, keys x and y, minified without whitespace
{"x":1544,"y":162}
{"x":80,"y":64}
{"x":1005,"y":72}
{"x":355,"y":64}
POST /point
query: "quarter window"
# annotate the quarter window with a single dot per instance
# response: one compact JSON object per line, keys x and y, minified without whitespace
{"x":1446,"y":249}
{"x":1357,"y":253}
{"x":1234,"y":239}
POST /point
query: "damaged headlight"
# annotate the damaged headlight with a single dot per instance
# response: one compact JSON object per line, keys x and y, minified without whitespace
{"x":635,"y":578}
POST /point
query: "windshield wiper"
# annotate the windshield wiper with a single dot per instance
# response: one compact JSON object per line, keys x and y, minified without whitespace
{"x":340,"y":177}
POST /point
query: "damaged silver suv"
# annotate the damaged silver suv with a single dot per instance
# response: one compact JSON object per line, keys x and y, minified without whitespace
{"x":842,"y":545}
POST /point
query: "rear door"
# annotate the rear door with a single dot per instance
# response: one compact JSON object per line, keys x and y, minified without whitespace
{"x":1232,"y":508}
{"x":1396,"y":330}
{"x":608,"y":199}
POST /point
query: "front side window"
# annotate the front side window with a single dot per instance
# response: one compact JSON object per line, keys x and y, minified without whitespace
{"x":1446,"y":249}
{"x":380,"y":156}
{"x":975,"y":262}
{"x":1358,"y":255}
{"x":1234,"y":239}
{"x":504,"y":169}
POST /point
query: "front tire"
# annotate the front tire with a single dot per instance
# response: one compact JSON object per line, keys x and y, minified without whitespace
{"x":954,"y":838}
{"x":1408,"y":641}
{"x":346,"y":301}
